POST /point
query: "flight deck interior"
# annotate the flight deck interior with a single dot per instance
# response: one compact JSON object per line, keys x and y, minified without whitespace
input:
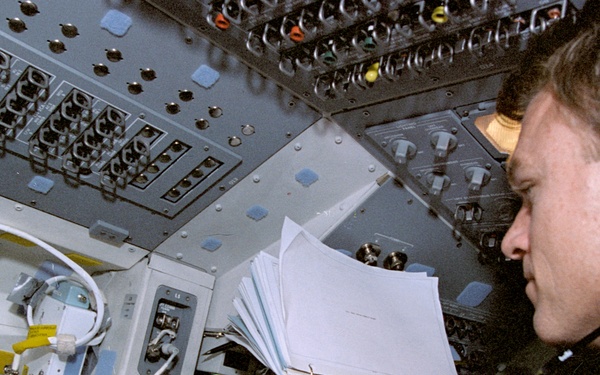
{"x":151,"y":149}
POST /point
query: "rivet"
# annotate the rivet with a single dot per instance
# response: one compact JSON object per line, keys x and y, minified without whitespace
{"x":69,"y":30}
{"x":234,"y":141}
{"x":215,"y":111}
{"x":148,"y":74}
{"x":248,"y":129}
{"x":29,"y":8}
{"x":172,"y":108}
{"x":202,"y":124}
{"x":186,"y":95}
{"x":101,"y":70}
{"x":114,"y":55}
{"x":56,"y":46}
{"x":17,"y":25}
{"x":134,"y":88}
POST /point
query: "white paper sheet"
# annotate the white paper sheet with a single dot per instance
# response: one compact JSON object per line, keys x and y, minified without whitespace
{"x":345,"y":318}
{"x":265,"y":273}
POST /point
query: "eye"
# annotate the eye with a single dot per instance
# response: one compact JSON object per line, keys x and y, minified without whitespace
{"x":524,"y":191}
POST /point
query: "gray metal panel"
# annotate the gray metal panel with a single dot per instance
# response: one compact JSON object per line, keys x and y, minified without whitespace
{"x":150,"y":206}
{"x":396,"y":219}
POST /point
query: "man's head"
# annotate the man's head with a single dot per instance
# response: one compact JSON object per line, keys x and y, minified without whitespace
{"x":556,"y":170}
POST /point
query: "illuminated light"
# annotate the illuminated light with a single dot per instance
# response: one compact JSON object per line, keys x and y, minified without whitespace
{"x":439,"y":15}
{"x":296,"y":34}
{"x":372,"y":73}
{"x":222,"y":22}
{"x":501,"y":131}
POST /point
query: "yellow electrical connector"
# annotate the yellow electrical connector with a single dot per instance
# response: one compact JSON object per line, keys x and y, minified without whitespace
{"x":37,"y":337}
{"x":36,"y":342}
{"x":372,"y":73}
{"x":439,"y":15}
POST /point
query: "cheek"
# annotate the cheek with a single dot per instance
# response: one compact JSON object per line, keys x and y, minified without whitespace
{"x":565,"y":246}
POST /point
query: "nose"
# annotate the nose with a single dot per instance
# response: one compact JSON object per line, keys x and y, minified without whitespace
{"x":515,"y":243}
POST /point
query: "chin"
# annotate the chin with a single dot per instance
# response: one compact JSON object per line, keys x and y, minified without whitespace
{"x":551,"y":333}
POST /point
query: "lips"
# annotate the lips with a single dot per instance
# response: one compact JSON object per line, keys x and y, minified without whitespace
{"x":530,"y":289}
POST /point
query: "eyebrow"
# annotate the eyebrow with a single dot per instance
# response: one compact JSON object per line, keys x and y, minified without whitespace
{"x":513,"y":165}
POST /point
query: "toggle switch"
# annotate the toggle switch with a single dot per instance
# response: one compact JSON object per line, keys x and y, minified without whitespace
{"x":468,"y":213}
{"x":477,"y":177}
{"x":404,"y":150}
{"x":437,"y":183}
{"x":443,"y":143}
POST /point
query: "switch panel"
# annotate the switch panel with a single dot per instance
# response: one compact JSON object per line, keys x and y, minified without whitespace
{"x":171,"y":321}
{"x":456,"y":174}
{"x":341,"y":55}
{"x":122,"y":134}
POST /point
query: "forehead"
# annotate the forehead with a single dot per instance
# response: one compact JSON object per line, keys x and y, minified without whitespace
{"x":549,"y":137}
{"x":534,"y":135}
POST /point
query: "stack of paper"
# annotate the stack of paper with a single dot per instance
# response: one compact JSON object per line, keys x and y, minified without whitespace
{"x":316,"y":310}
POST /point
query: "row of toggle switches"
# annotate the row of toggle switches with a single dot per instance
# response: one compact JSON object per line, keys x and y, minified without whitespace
{"x":443,"y":143}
